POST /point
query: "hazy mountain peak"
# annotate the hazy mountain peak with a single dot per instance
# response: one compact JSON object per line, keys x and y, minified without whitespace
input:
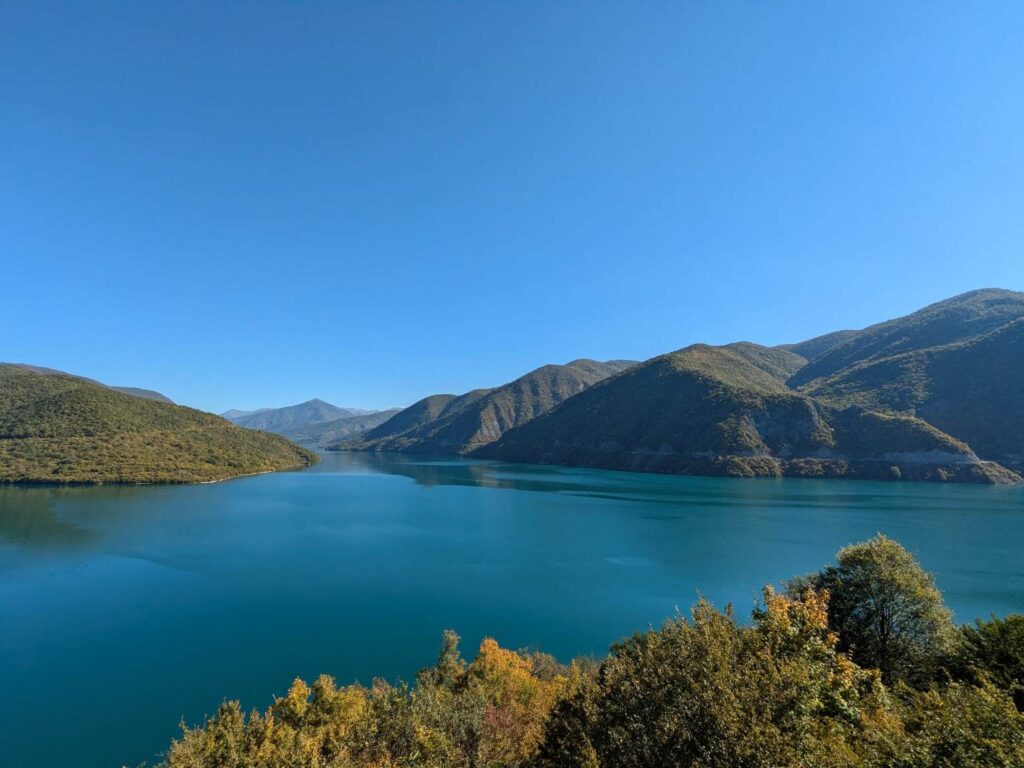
{"x":293,"y":417}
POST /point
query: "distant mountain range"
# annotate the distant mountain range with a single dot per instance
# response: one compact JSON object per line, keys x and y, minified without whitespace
{"x":289,"y":417}
{"x":447,"y":424}
{"x":313,"y":423}
{"x":935,"y":395}
{"x":58,"y":428}
{"x":322,"y":434}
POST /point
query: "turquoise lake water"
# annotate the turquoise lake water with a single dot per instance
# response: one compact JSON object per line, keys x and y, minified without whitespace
{"x":124,"y":610}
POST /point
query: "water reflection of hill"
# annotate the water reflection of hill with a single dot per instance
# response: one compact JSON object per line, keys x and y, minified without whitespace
{"x":33,"y":517}
{"x":687,"y":490}
{"x":445,"y":470}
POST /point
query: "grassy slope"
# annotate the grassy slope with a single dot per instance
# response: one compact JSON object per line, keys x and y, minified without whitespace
{"x":63,"y":429}
{"x":481,"y":417}
{"x":725,"y":410}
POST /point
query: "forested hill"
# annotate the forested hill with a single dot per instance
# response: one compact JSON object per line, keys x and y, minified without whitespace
{"x":934,"y":395}
{"x":57,"y":428}
{"x":446,"y":424}
{"x":727,"y":410}
{"x":958,"y":319}
{"x":958,"y":364}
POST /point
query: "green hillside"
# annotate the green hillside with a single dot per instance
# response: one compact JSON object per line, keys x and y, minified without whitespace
{"x":972,"y":389}
{"x":449,"y":425}
{"x":56,"y":428}
{"x":145,"y":394}
{"x":777,"y":362}
{"x":958,"y":319}
{"x":934,"y":395}
{"x":406,"y":427}
{"x":712,"y":410}
{"x":812,"y":349}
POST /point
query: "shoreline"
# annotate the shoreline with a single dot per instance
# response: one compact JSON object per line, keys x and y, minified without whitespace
{"x":130,"y":483}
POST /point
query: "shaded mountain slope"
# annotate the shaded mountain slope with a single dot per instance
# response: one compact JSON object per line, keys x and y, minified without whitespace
{"x":57,"y":428}
{"x":958,"y":319}
{"x":812,"y":349}
{"x":972,"y":389}
{"x":326,"y":432}
{"x":710,"y":410}
{"x":444,"y":424}
{"x":408,"y":427}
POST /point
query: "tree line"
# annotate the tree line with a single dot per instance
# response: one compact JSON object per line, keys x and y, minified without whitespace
{"x":857,"y":666}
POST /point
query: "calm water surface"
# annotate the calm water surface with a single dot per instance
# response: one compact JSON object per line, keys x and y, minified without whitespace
{"x":123,"y":610}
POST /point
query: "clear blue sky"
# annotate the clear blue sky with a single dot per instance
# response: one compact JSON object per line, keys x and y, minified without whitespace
{"x":251,"y":204}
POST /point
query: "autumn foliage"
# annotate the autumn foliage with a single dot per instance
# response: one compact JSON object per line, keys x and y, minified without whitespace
{"x":703,"y":691}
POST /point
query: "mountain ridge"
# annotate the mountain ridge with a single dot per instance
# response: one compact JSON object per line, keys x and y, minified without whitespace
{"x":970,"y":387}
{"x":966,"y":315}
{"x":290,"y":417}
{"x":710,"y":410}
{"x":145,"y":394}
{"x":449,"y":424}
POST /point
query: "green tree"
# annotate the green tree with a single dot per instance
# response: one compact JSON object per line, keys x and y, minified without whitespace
{"x":886,"y":609}
{"x":996,"y":647}
{"x":701,"y":692}
{"x":450,"y":666}
{"x":566,"y":742}
{"x":960,"y":725}
{"x":711,"y":694}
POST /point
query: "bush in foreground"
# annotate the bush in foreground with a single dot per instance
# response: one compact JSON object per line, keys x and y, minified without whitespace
{"x":703,"y":691}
